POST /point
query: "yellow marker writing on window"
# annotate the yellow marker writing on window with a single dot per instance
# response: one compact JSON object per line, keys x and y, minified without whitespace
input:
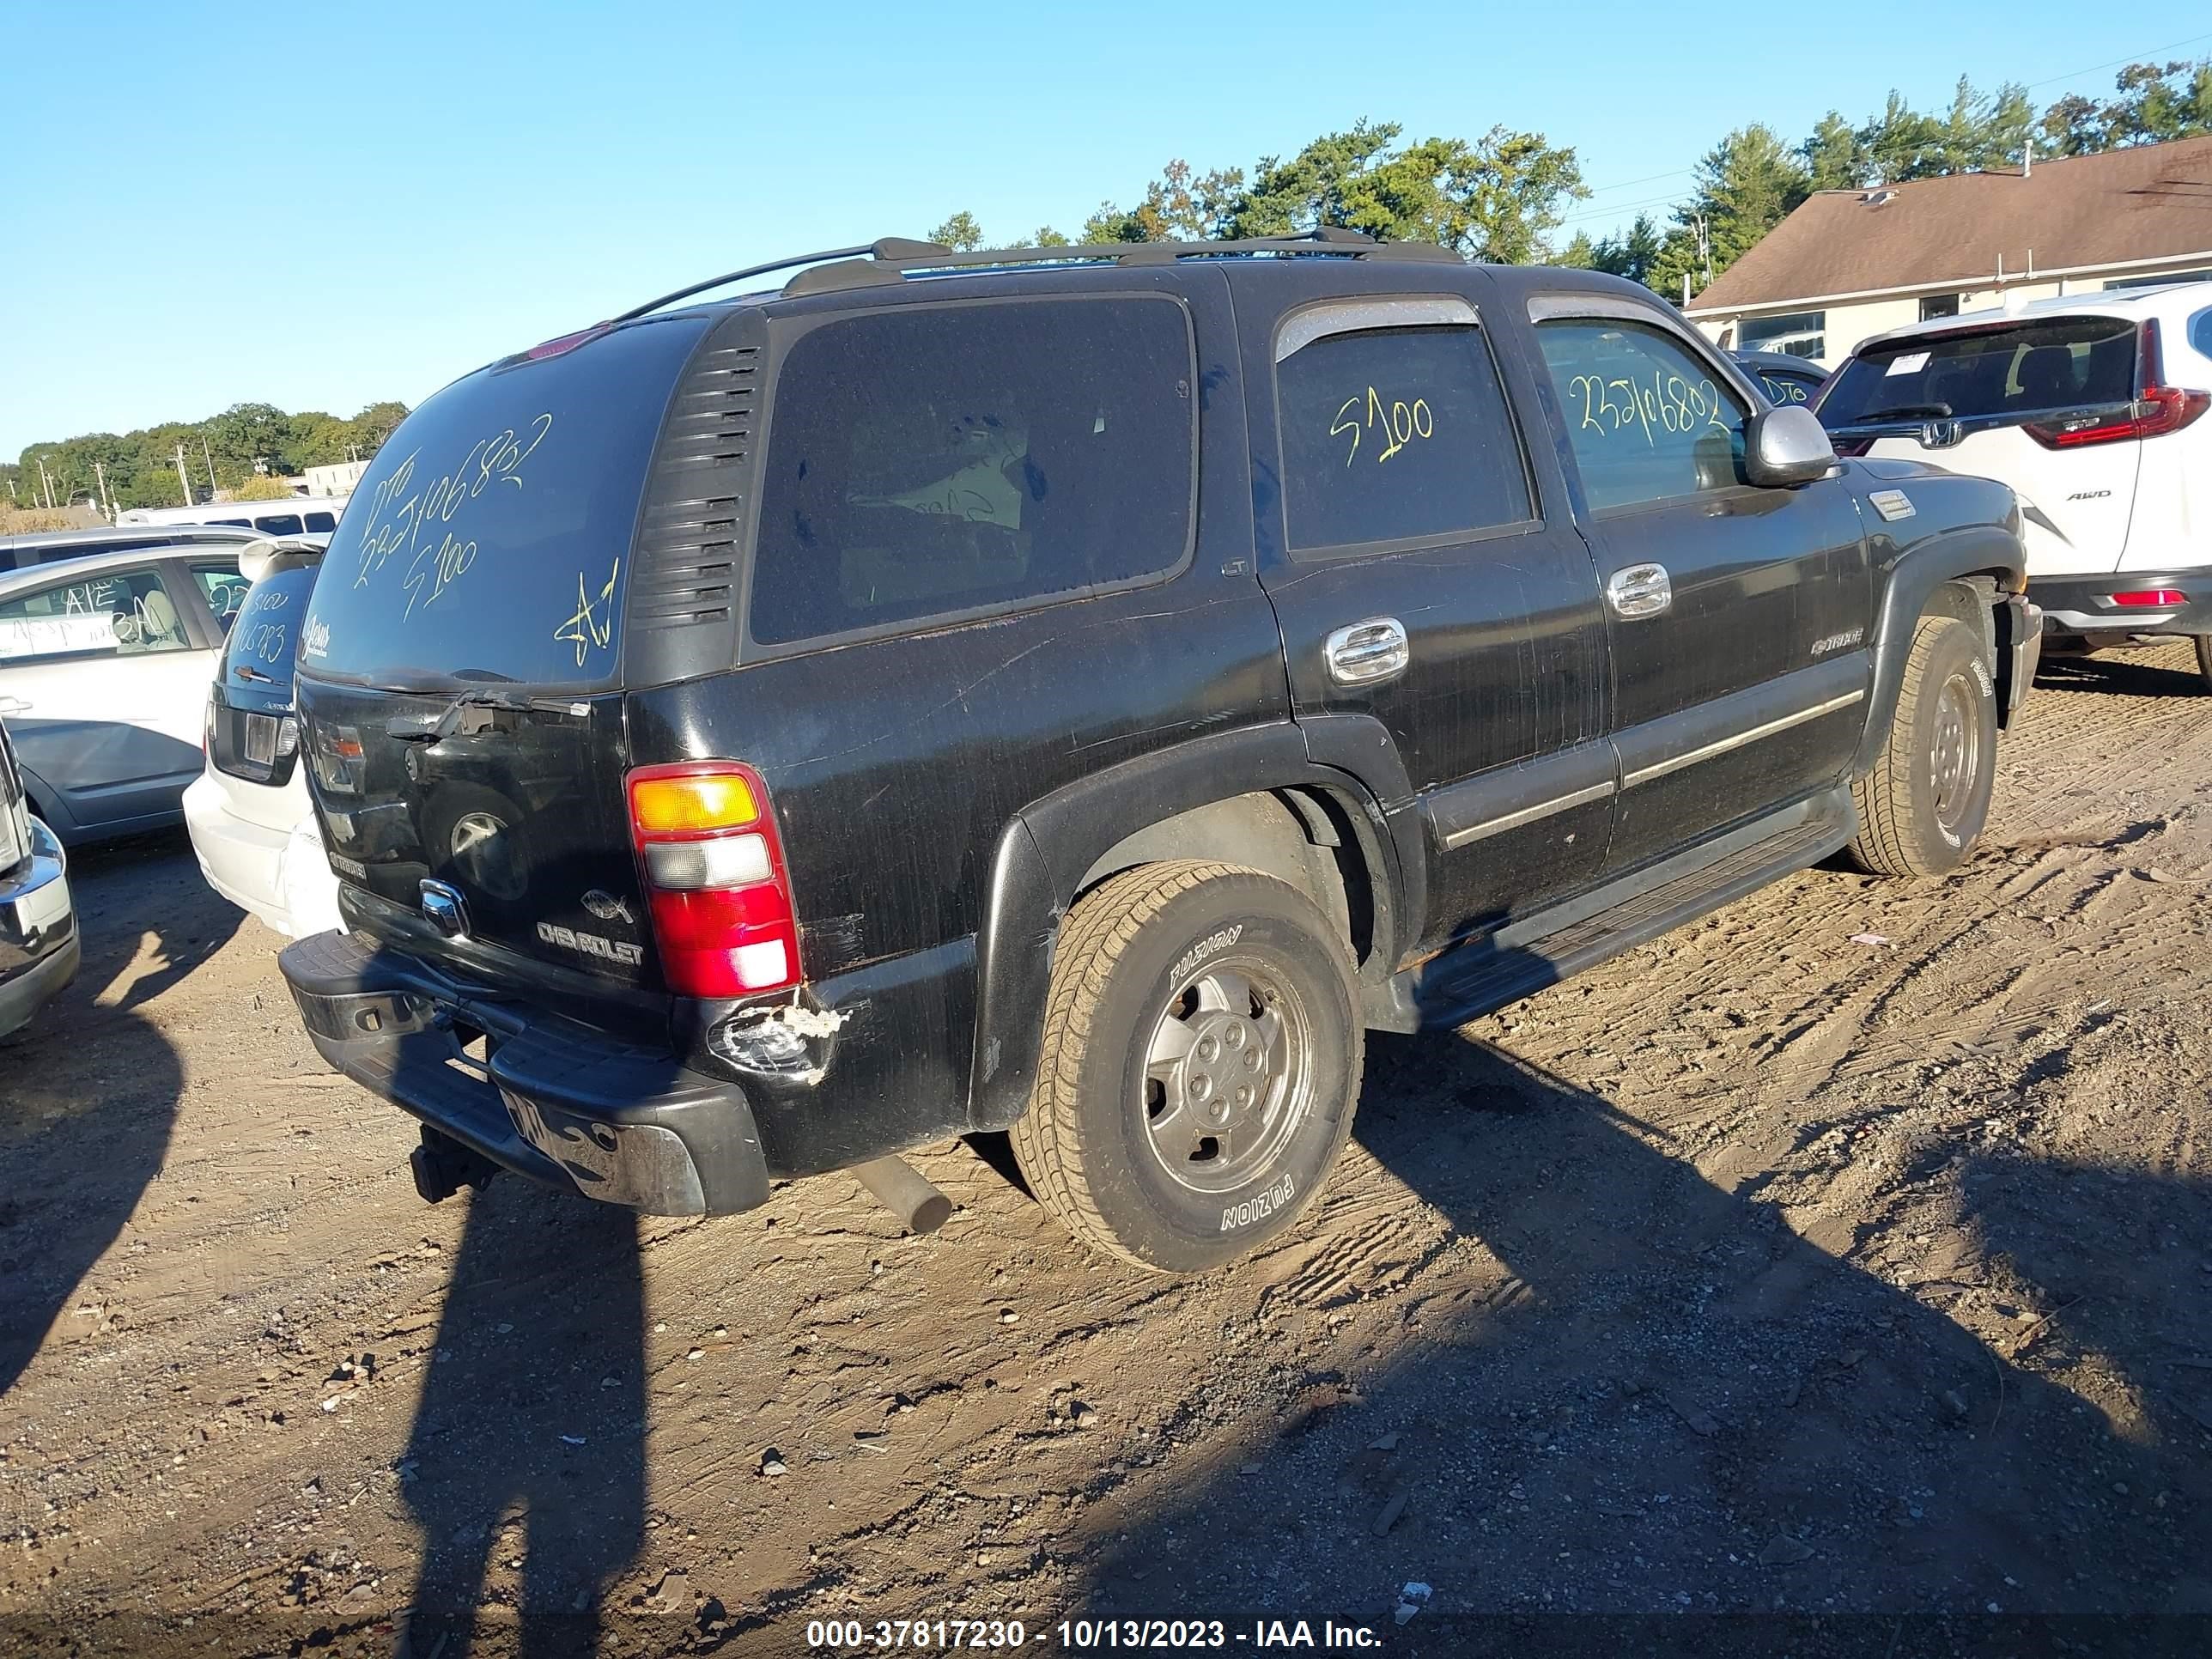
{"x":1401,"y":423}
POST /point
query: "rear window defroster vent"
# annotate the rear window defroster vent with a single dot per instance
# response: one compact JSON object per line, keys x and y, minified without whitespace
{"x":682,"y":597}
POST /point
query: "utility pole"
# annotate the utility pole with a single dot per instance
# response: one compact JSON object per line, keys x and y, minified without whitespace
{"x":209,"y":460}
{"x":1705,"y":250}
{"x":181,"y":478}
{"x":100,"y":472}
{"x":47,"y":477}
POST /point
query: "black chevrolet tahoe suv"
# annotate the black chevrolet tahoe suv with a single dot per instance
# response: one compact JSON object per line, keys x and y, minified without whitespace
{"x":1079,"y":692}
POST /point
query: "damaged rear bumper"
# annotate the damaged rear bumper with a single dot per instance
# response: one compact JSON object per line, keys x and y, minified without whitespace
{"x":547,"y":1098}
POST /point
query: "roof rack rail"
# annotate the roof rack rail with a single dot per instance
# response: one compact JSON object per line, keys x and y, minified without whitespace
{"x":888,"y":262}
{"x":883,"y":248}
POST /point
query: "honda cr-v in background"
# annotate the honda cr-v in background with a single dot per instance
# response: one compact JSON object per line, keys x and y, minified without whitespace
{"x":2091,"y":407}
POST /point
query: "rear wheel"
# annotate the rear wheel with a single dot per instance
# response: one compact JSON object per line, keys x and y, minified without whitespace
{"x":2204,"y":644}
{"x":1927,"y":796}
{"x":1202,"y":1059}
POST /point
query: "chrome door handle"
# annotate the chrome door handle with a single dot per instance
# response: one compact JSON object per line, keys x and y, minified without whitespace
{"x":1367,"y":652}
{"x":1639,"y":590}
{"x":14,"y":705}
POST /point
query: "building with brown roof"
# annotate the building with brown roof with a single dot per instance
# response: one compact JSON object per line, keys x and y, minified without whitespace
{"x":1849,"y":263}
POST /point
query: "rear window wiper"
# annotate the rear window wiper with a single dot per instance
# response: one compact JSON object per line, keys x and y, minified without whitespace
{"x":1903,"y":412}
{"x":472,"y":713}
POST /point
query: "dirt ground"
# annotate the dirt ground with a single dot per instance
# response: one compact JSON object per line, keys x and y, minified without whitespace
{"x":1863,"y":1290}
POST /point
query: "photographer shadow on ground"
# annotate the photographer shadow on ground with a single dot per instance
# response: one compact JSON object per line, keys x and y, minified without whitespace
{"x":89,"y":1090}
{"x":1646,"y":1394}
{"x":526,"y":1466}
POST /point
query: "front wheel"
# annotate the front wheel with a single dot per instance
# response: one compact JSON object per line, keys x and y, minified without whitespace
{"x":1926,"y":797}
{"x":1202,"y":1059}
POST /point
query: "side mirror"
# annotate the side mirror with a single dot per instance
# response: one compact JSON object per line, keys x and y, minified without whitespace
{"x":1788,"y":445}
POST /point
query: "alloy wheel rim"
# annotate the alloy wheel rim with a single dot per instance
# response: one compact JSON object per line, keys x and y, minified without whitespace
{"x":1229,"y":1074}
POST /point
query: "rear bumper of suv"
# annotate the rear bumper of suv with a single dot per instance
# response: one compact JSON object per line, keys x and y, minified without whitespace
{"x":549,"y":1099}
{"x":2084,"y":605}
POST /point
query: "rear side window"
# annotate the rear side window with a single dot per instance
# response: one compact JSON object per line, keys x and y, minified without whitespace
{"x":1646,"y":418}
{"x":278,"y":524}
{"x":929,"y":461}
{"x":265,"y":631}
{"x":2055,"y":362}
{"x":223,"y":588}
{"x":320,"y":524}
{"x":127,"y":614}
{"x":1393,"y":434}
{"x":490,"y":540}
{"x":1782,"y":388}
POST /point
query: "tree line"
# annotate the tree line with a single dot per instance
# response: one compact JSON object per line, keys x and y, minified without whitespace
{"x":1504,"y":196}
{"x":241,"y":446}
{"x":1752,"y":180}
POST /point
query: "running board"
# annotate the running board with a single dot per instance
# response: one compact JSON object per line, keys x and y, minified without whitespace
{"x":1526,"y":955}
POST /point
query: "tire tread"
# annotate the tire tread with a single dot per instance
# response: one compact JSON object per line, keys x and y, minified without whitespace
{"x":1097,"y":930}
{"x":1883,"y":794}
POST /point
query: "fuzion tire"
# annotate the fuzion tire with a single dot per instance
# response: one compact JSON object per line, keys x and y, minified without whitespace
{"x":1202,"y":1060}
{"x":1926,"y":795}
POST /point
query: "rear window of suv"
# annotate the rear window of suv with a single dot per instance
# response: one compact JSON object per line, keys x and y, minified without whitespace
{"x":264,"y":632}
{"x":490,"y":539}
{"x":938,"y":460}
{"x":2055,"y":362}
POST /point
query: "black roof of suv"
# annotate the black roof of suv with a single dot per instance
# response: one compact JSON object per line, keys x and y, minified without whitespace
{"x":1078,"y":690}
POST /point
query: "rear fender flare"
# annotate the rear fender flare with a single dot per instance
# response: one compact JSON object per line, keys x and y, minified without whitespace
{"x":1909,"y":592}
{"x":1048,"y":849}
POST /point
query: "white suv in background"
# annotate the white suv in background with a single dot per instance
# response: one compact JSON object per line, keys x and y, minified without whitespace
{"x":254,"y":829}
{"x":2091,"y":407}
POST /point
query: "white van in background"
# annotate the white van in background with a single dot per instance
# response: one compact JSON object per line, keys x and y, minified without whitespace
{"x":287,"y":515}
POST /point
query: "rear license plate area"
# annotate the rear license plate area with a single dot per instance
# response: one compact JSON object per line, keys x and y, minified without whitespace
{"x":261,"y":739}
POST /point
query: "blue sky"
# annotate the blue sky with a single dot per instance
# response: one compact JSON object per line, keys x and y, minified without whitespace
{"x":323,"y":206}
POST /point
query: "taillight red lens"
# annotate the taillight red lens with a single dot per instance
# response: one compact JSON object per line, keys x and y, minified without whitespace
{"x":2159,"y":408}
{"x":714,"y":868}
{"x":2151,"y":598}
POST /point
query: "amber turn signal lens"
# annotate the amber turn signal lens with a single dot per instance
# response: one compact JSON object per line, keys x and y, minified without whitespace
{"x":675,"y":805}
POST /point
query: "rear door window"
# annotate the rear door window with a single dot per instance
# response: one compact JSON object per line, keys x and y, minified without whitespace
{"x":930,"y":461}
{"x":2025,"y":368}
{"x":1646,"y":418}
{"x":490,"y":540}
{"x":1396,"y":435}
{"x":124,"y":613}
{"x":278,"y":524}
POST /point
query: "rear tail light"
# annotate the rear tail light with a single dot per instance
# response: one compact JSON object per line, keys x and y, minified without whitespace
{"x":2157,"y":410}
{"x":715,"y":877}
{"x":2151,"y":598}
